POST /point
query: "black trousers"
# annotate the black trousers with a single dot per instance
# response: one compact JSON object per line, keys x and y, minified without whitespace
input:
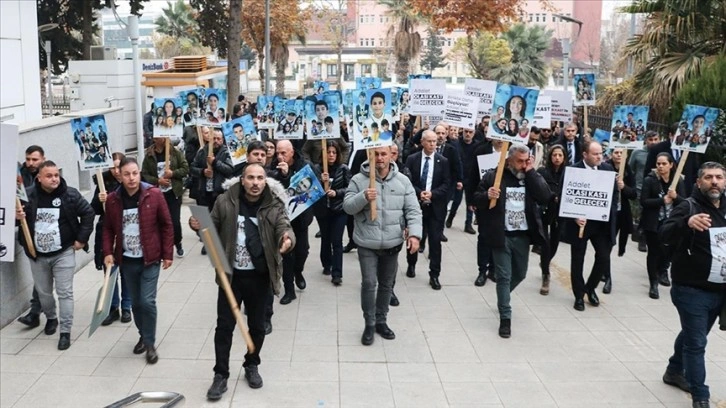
{"x":621,"y":230}
{"x":550,"y":246}
{"x":293,"y":263}
{"x":434,"y":228}
{"x":251,"y":289}
{"x":658,"y":257}
{"x":174,"y":204}
{"x":601,"y":243}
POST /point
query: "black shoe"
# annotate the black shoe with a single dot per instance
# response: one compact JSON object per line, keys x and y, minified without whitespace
{"x":411,"y":271}
{"x":300,"y":282}
{"x":653,"y":292}
{"x":140,"y":347}
{"x":219,"y":387}
{"x":505,"y":328}
{"x":31,"y":320}
{"x":204,"y":251}
{"x":125,"y":316}
{"x":337,"y":280}
{"x":64,"y":342}
{"x":608,"y":287}
{"x":385,"y":331}
{"x":536,"y":249}
{"x":701,"y":404}
{"x":317,"y":234}
{"x":351,"y":246}
{"x":394,"y":300}
{"x":50,"y":326}
{"x":326,"y":271}
{"x":113,"y":315}
{"x":421,"y":249}
{"x":545,"y":289}
{"x":579,"y":305}
{"x":469,"y":230}
{"x":151,"y":356}
{"x":287,"y":298}
{"x":449,"y":221}
{"x":592,"y":298}
{"x":252,"y":375}
{"x":367,"y":338}
{"x":481,"y":280}
{"x":180,"y":251}
{"x":491,"y":276}
{"x":642,"y":247}
{"x":676,"y":380}
{"x":268,"y":327}
{"x":663,"y":280}
{"x":435,"y":284}
{"x":444,"y":239}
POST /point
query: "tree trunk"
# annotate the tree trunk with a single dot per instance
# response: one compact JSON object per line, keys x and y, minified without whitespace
{"x":402,"y":71}
{"x":261,"y":70}
{"x":280,"y":77}
{"x":87,"y":29}
{"x":340,"y":68}
{"x":234,"y":51}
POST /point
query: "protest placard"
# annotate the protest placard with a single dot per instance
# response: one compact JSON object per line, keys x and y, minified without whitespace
{"x":696,"y":129}
{"x":427,"y":97}
{"x":238,"y":134}
{"x":561,"y":102}
{"x":461,"y":110}
{"x":90,"y":134}
{"x":487,"y":162}
{"x":543,"y":112}
{"x":290,"y":113}
{"x":584,"y":89}
{"x":303,"y":192}
{"x":515,"y":108}
{"x":321,"y":117}
{"x":484,"y":90}
{"x":8,"y":183}
{"x":168,"y":117}
{"x":628,"y":126}
{"x":587,"y":194}
{"x":266,"y":112}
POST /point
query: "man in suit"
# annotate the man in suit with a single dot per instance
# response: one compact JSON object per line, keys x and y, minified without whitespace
{"x":601,"y":234}
{"x":572,"y":145}
{"x":431,"y":175}
{"x":690,"y":169}
{"x":536,"y":150}
{"x":456,"y":173}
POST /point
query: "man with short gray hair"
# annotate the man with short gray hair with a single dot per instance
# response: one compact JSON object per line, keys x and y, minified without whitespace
{"x":513,"y":224}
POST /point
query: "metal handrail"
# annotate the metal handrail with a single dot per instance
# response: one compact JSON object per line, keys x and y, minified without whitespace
{"x":170,"y":399}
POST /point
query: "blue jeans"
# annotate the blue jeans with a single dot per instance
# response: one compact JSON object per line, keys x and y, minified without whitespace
{"x":143,"y":282}
{"x":125,"y":298}
{"x":510,"y":263}
{"x":332,"y":226}
{"x":698,"y":310}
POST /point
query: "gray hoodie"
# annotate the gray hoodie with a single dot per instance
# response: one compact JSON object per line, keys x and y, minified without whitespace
{"x":397,"y":209}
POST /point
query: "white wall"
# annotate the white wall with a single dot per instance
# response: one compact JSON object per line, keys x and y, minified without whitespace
{"x":93,"y":81}
{"x":19,"y":65}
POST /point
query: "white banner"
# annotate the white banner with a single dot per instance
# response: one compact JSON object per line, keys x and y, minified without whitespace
{"x":484,"y":90}
{"x":8,"y":185}
{"x":460,"y":110}
{"x":587,"y":194}
{"x":487,"y":162}
{"x":543,"y":112}
{"x":561,"y":104}
{"x":427,"y":97}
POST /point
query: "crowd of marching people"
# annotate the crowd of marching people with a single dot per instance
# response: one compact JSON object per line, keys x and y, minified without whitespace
{"x":421,"y":182}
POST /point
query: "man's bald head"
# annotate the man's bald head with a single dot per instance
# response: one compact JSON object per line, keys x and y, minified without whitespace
{"x":285,"y":152}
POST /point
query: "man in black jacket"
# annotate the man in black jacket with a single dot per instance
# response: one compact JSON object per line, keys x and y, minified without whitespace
{"x":696,"y":230}
{"x":430,"y":172}
{"x":456,"y":175}
{"x":513,"y":224}
{"x":287,"y":162}
{"x":60,"y":222}
{"x":572,"y":145}
{"x":467,"y":146}
{"x":600,"y":233}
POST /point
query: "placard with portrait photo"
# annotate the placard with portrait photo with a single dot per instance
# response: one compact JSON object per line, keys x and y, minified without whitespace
{"x":513,"y":113}
{"x":238,"y":133}
{"x":90,"y":135}
{"x":696,"y":128}
{"x":628,"y":126}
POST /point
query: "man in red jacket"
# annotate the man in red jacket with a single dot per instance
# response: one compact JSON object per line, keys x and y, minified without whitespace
{"x":138,"y":236}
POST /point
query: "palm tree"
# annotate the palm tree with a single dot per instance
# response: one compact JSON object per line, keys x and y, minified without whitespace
{"x":527,"y":68}
{"x":178,"y":21}
{"x":680,"y":39}
{"x":406,"y":40}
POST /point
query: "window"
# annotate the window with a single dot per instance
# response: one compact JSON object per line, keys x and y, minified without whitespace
{"x":332,"y":70}
{"x":361,"y":19}
{"x":448,"y":42}
{"x":536,"y":18}
{"x":381,"y":19}
{"x":553,"y":17}
{"x":361,"y":42}
{"x":530,"y":18}
{"x":365,"y":69}
{"x":349,"y":72}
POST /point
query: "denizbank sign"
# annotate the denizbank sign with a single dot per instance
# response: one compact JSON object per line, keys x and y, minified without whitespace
{"x":154,"y":65}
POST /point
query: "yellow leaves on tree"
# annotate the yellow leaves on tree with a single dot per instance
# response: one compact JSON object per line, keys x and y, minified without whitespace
{"x":287,"y":20}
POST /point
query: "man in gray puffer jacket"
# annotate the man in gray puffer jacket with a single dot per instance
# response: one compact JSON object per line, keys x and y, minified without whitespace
{"x":398,"y":218}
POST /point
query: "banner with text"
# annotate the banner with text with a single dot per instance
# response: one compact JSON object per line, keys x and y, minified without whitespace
{"x":461,"y":110}
{"x":484,"y":90}
{"x":561,"y":102}
{"x":428,"y":97}
{"x":543,"y":112}
{"x":587,"y":194}
{"x":487,"y":162}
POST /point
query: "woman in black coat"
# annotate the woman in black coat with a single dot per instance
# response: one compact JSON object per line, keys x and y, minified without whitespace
{"x":333,"y":218}
{"x":628,"y":192}
{"x":658,"y":202}
{"x":552,"y":173}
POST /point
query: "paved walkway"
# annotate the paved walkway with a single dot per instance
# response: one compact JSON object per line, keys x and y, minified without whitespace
{"x":447,"y":352}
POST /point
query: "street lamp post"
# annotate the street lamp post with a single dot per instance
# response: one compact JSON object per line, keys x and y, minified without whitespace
{"x":267,"y":48}
{"x":566,"y":49}
{"x":47,"y":48}
{"x":133,"y":31}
